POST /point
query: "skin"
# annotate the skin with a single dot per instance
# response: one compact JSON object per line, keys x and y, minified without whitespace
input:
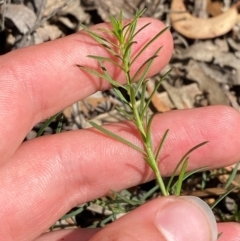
{"x":43,"y":178}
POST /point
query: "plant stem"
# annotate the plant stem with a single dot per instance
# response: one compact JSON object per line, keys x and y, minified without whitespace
{"x":154,"y":166}
{"x":150,"y":158}
{"x":122,"y":49}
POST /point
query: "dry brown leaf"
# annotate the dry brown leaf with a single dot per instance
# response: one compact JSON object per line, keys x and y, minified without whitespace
{"x":92,"y":101}
{"x":215,"y":95}
{"x":214,"y":8}
{"x":46,"y":32}
{"x":207,"y":192}
{"x":160,"y":101}
{"x":184,"y":97}
{"x":21,"y":17}
{"x":199,"y":28}
{"x":52,"y":5}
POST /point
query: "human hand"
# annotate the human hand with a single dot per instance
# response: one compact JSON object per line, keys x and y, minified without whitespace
{"x":43,"y":178}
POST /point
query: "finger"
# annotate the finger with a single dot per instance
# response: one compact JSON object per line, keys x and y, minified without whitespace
{"x":69,"y":235}
{"x":162,"y":219}
{"x":44,"y":79}
{"x":229,"y":231}
{"x":75,"y":167}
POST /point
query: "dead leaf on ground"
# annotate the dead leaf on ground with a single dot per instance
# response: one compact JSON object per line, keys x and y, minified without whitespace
{"x":217,"y":54}
{"x":202,"y":51}
{"x":21,"y":16}
{"x":207,"y":192}
{"x":183,"y":97}
{"x":52,"y":5}
{"x":81,"y":110}
{"x":160,"y":101}
{"x":199,"y":28}
{"x":214,"y":8}
{"x":46,"y":32}
{"x":207,"y":84}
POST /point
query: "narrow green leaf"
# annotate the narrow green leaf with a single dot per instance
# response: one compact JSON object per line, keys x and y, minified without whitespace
{"x":161,"y":144}
{"x":154,"y":91}
{"x":188,"y":174}
{"x":181,"y":161}
{"x":127,"y":53}
{"x":140,"y":30}
{"x":125,"y":114}
{"x":104,"y":30}
{"x":73,"y":213}
{"x":117,"y":137}
{"x":99,"y":58}
{"x":148,"y":44}
{"x":109,"y":78}
{"x":181,"y":177}
{"x":91,"y":71}
{"x":102,"y":76}
{"x":99,"y":39}
{"x":108,"y":41}
{"x":114,"y":23}
{"x":117,"y":25}
{"x":148,"y":138}
{"x":47,"y":123}
{"x":143,"y":95}
{"x":126,"y":29}
{"x":222,"y":197}
{"x":60,"y":124}
{"x":145,"y":66}
{"x":120,"y":95}
{"x":232,"y":176}
{"x":149,"y":194}
{"x":102,"y":222}
{"x":118,"y":35}
{"x":131,"y":29}
{"x":95,"y":36}
{"x":143,"y":69}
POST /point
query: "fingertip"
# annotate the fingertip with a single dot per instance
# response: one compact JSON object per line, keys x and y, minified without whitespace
{"x":185,"y":218}
{"x":165,"y":219}
{"x":73,"y":234}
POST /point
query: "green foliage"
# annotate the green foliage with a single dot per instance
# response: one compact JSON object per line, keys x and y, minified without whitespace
{"x":226,"y":186}
{"x":49,"y":121}
{"x":123,"y":35}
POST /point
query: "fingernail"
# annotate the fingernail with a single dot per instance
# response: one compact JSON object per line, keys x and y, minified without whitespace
{"x":187,"y":218}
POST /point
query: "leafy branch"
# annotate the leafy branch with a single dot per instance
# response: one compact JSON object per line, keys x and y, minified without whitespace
{"x":120,"y":51}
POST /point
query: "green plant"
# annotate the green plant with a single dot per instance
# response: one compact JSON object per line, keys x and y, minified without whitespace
{"x":120,"y":48}
{"x":123,"y":38}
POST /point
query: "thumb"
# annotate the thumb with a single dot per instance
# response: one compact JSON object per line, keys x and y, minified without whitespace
{"x":164,"y":219}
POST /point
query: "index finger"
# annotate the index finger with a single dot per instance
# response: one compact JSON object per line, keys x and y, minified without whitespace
{"x":41,"y":80}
